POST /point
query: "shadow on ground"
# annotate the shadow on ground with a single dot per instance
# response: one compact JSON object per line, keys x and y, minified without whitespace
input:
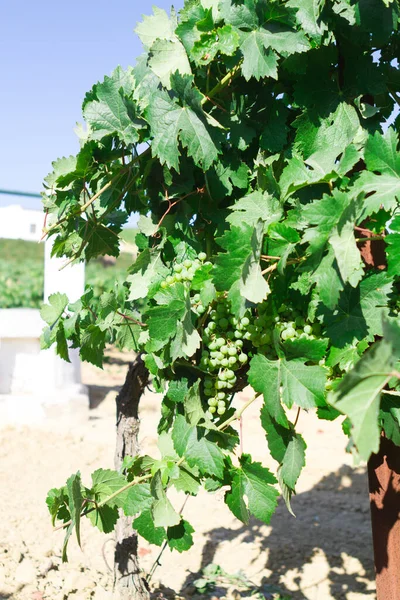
{"x":327,"y":548}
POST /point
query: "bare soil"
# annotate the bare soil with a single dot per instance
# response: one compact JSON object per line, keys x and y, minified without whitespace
{"x":324,"y":553}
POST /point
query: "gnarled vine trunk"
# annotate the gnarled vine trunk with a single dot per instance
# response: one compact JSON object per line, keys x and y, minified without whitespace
{"x":128,"y":580}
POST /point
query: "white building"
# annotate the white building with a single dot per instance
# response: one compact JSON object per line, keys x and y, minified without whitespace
{"x":19,"y":223}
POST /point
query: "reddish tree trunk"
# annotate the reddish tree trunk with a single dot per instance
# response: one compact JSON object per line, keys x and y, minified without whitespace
{"x":384,"y":493}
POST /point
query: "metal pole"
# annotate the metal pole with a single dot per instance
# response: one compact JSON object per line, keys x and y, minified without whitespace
{"x":384,"y":494}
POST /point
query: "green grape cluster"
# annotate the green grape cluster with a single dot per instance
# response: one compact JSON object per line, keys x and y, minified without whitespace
{"x":184,"y":271}
{"x":289,"y":323}
{"x":223,"y":340}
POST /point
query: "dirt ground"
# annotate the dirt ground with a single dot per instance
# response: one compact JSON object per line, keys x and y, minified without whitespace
{"x":324,"y":553}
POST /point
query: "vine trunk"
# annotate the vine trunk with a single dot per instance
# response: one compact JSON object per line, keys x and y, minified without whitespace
{"x":128,"y":580}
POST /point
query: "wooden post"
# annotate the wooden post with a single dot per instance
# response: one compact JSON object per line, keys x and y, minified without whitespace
{"x":384,"y":493}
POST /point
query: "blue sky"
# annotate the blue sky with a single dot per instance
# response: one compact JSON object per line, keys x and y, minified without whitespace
{"x":51,"y":53}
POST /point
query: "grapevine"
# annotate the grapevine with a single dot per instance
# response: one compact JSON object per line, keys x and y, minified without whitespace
{"x":271,"y":171}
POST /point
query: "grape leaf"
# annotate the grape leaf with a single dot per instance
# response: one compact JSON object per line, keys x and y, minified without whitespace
{"x":137,"y":499}
{"x":358,"y":394}
{"x":171,"y":122}
{"x":147,"y":270}
{"x":254,"y":482}
{"x":52,"y":311}
{"x":163,"y":513}
{"x":308,"y":15}
{"x":145,"y":527}
{"x":104,"y":518}
{"x":180,"y":536}
{"x":197,"y":449}
{"x":167,"y":57}
{"x":258,"y":59}
{"x":158,"y":26}
{"x":291,"y":381}
{"x":163,"y":318}
{"x":111,"y":112}
{"x":241,"y":263}
{"x":255,"y":206}
{"x":106,"y":482}
{"x":393,"y":250}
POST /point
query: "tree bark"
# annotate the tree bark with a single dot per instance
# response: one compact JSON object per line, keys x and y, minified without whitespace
{"x":384,"y":493}
{"x":128,"y":580}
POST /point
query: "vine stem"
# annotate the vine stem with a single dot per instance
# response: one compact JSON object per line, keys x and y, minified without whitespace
{"x":220,"y":86}
{"x":97,"y":194}
{"x":237,"y":415}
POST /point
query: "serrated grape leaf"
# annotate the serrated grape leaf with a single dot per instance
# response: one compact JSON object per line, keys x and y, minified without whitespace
{"x":360,"y":311}
{"x":164,"y":318}
{"x":308,"y":349}
{"x":158,"y":26}
{"x":393,"y":250}
{"x":259,"y":60}
{"x":308,"y":15}
{"x":180,"y":537}
{"x":253,"y":482}
{"x":52,"y":311}
{"x":106,"y":482}
{"x":145,"y":527}
{"x":358,"y":395}
{"x":163,"y":513}
{"x":137,"y":499}
{"x":328,"y":280}
{"x":299,"y":173}
{"x":241,"y":262}
{"x":193,"y":407}
{"x":190,"y":442}
{"x":187,"y":339}
{"x":223,"y":40}
{"x":177,"y":390}
{"x":61,"y":343}
{"x":347,"y":254}
{"x":293,"y":461}
{"x":186,"y":482}
{"x":75,"y":500}
{"x":171,"y":122}
{"x":56,"y":501}
{"x":253,"y":207}
{"x":104,"y":518}
{"x":167,"y":57}
{"x":325,"y":138}
{"x":291,"y":381}
{"x":111,"y":113}
{"x":93,"y":342}
{"x":282,"y":241}
{"x":381,"y":183}
{"x":147,"y":270}
{"x":278,"y":437}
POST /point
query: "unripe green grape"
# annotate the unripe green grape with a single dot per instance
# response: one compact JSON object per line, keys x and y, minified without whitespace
{"x":307,"y":329}
{"x":170,"y":279}
{"x":239,"y":343}
{"x":221,"y":395}
{"x":232,"y":360}
{"x":212,"y":326}
{"x":219,"y":356}
{"x":223,"y":323}
{"x":221,"y":410}
{"x":222,"y":376}
{"x":212,"y":345}
{"x":247,"y":335}
{"x":178,"y":277}
{"x":245,"y":321}
{"x":187,"y":263}
{"x":201,"y":309}
{"x":288,"y":334}
{"x":208,"y":392}
{"x":220,"y":342}
{"x":229,"y":374}
{"x":213,"y":315}
{"x":178,"y":268}
{"x":300,"y":322}
{"x":230,"y":335}
{"x":233,"y":321}
{"x":164,"y":285}
{"x":224,"y":362}
{"x":243,"y":358}
{"x":213,"y":362}
{"x":190,"y":275}
{"x":232,"y":350}
{"x":229,"y":385}
{"x":208,"y":383}
{"x":238,"y":334}
{"x":202,"y":256}
{"x":224,"y":349}
{"x":214,"y":353}
{"x":212,"y":409}
{"x":220,"y":385}
{"x":220,"y":309}
{"x":212,"y":402}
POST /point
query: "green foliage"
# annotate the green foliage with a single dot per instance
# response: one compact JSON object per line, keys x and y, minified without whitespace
{"x":268,"y":158}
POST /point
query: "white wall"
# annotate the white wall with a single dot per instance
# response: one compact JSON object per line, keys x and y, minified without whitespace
{"x":20,"y":223}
